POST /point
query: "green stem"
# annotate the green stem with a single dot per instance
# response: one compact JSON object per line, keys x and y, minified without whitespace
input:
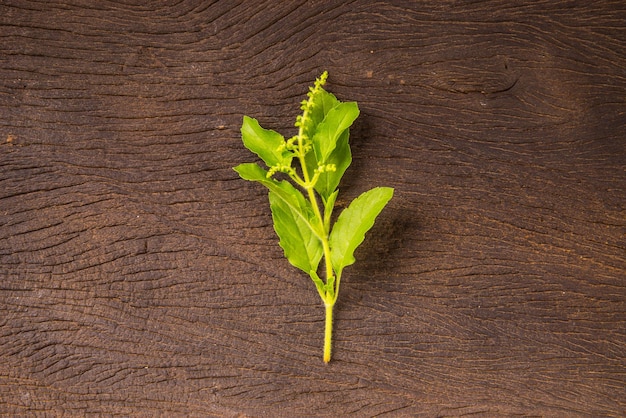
{"x":309,"y":183}
{"x":331,"y":295}
{"x":328,"y":332}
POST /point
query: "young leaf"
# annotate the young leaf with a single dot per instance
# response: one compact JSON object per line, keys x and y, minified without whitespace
{"x":302,"y":248}
{"x":321,"y":103}
{"x":264,"y":143}
{"x":329,"y":205}
{"x":351,"y":226}
{"x":341,"y":157}
{"x":337,"y":120}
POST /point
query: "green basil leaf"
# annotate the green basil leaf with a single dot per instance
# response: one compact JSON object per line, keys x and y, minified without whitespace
{"x":302,"y":248}
{"x":264,"y":142}
{"x":337,"y":120}
{"x":323,"y":101}
{"x":351,"y":226}
{"x":341,"y":157}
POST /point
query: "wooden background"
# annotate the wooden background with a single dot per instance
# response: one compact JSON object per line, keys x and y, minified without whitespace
{"x":140,"y":276}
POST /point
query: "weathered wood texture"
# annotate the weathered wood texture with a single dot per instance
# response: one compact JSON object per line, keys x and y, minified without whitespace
{"x":139,"y":275}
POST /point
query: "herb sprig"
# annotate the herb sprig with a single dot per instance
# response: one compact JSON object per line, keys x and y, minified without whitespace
{"x":314,"y":161}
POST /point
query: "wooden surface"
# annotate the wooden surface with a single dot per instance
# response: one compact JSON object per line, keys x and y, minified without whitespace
{"x":139,"y":276}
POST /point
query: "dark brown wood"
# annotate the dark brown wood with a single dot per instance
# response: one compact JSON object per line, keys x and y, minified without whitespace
{"x":140,"y":276}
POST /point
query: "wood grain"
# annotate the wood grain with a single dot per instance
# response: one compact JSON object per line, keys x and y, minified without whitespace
{"x":139,"y":276}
